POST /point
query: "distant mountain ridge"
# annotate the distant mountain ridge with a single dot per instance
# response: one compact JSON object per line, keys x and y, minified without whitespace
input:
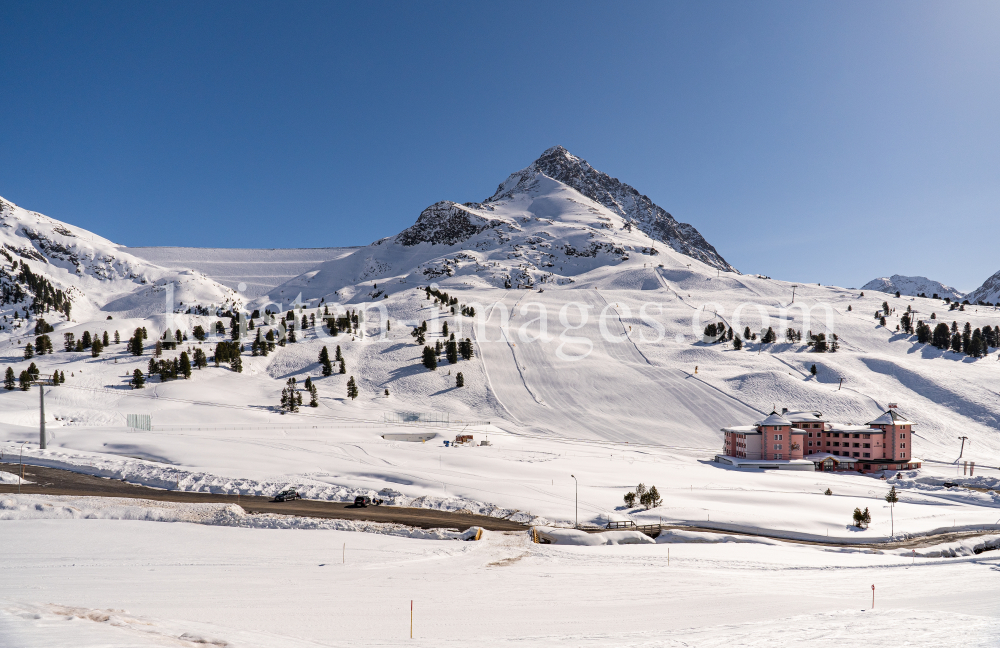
{"x":988,"y":292}
{"x":913,"y":286}
{"x":549,"y":223}
{"x":87,"y":272}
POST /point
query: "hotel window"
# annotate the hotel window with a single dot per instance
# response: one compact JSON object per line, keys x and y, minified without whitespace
{"x":836,"y":444}
{"x":856,"y":454}
{"x":856,"y":445}
{"x":866,"y":436}
{"x":868,"y":445}
{"x":868,"y":454}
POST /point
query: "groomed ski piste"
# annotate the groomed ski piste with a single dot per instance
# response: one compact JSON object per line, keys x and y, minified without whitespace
{"x":632,"y":393}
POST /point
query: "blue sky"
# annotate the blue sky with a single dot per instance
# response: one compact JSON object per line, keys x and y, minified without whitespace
{"x":809,"y":141}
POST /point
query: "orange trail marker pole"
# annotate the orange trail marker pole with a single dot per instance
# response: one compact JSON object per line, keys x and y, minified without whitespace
{"x":873,"y":597}
{"x":411,"y":618}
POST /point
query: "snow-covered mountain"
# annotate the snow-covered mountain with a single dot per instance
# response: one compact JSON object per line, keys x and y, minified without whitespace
{"x":988,"y":292}
{"x":58,"y":265}
{"x":547,"y":224}
{"x":912,"y":286}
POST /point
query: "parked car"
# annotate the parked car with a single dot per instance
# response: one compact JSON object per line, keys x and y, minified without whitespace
{"x":363,"y":501}
{"x":287,"y":494}
{"x":949,"y":484}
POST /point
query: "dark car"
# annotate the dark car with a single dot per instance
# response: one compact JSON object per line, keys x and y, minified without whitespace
{"x":363,"y":501}
{"x":287,"y":494}
{"x":949,"y":484}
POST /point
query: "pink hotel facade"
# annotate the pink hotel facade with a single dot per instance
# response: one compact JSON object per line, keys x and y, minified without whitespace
{"x":807,"y":441}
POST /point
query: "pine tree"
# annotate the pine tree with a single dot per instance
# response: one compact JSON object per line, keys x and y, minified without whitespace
{"x":308,"y":383}
{"x":352,"y":389}
{"x":200,"y":360}
{"x":105,"y":340}
{"x":746,"y":333}
{"x":118,"y":338}
{"x":444,"y":329}
{"x":737,"y":343}
{"x":430,"y":358}
{"x":452,"y":352}
{"x":236,"y":363}
{"x":29,"y":351}
{"x":24,"y":380}
{"x":62,"y":377}
{"x":812,"y":370}
{"x":324,"y":361}
{"x":343,"y":367}
{"x":338,"y":357}
{"x":9,"y":379}
{"x":459,"y":380}
{"x":95,"y":348}
{"x":185,"y":367}
{"x":313,"y":396}
{"x":87,"y":340}
{"x":138,"y":380}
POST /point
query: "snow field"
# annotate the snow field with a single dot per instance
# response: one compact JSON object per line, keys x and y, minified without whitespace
{"x":127,"y":583}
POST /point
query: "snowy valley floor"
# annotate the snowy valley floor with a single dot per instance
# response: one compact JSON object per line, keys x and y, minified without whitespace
{"x":116,"y":583}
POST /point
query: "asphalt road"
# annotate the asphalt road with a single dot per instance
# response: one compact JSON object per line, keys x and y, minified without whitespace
{"x":52,"y":481}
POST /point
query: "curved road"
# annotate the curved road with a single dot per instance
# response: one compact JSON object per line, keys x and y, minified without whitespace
{"x":53,"y":481}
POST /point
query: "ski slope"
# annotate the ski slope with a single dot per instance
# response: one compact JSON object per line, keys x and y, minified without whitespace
{"x":259,"y":270}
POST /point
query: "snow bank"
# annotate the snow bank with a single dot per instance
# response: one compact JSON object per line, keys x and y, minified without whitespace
{"x":673,"y":536}
{"x":554,"y":535}
{"x":34,"y":507}
{"x":158,"y":475}
{"x":11,"y":478}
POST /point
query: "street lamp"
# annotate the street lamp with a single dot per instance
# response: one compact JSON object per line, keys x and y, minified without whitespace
{"x":577,"y":501}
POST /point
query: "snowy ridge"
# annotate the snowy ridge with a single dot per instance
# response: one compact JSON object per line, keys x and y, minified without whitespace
{"x":913,"y":286}
{"x":96,"y":274}
{"x":635,"y":208}
{"x":988,"y":292}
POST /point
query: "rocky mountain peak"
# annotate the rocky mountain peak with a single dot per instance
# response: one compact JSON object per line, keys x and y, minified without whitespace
{"x":637,"y":209}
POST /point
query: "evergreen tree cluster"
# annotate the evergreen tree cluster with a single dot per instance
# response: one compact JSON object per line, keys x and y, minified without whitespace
{"x":313,"y":392}
{"x":291,"y":398}
{"x":975,"y":343}
{"x":229,"y":351}
{"x":170,"y":369}
{"x":134,"y":345}
{"x":262,"y":345}
{"x":325,"y":363}
{"x":443,"y":298}
{"x":647,"y":498}
{"x":43,"y":345}
{"x":346,"y":323}
{"x":16,"y":288}
{"x":27,"y":376}
{"x":419,"y":333}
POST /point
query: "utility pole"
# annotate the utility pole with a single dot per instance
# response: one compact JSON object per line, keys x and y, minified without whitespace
{"x":21,"y":460}
{"x":577,"y":501}
{"x":41,"y":413}
{"x":963,"y":438}
{"x":794,"y":286}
